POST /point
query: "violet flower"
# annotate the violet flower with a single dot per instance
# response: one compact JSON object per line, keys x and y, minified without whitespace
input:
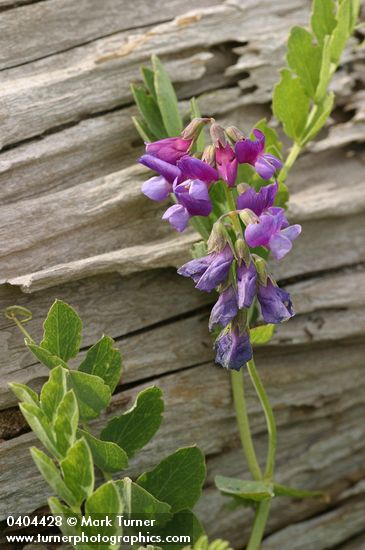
{"x":225,"y":309}
{"x":227,"y":163}
{"x":191,"y":193}
{"x":193,"y":168}
{"x":272,"y":229}
{"x":193,"y":199}
{"x":276,"y":305}
{"x":209,"y":271}
{"x":233,"y":348}
{"x":246,"y":285}
{"x":252,"y":152}
{"x":163,"y":168}
{"x":273,"y":232}
{"x":169,"y":149}
{"x":178,"y":216}
{"x":258,"y":202}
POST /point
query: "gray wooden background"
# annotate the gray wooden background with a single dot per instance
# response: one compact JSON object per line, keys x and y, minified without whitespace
{"x":74,"y":225}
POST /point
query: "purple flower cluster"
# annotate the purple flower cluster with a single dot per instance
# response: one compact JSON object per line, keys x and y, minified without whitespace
{"x":239,"y":278}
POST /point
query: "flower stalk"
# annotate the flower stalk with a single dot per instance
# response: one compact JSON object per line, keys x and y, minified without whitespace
{"x":233,"y":192}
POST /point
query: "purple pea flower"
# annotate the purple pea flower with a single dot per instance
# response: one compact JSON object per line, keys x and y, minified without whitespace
{"x":193,"y":168}
{"x":157,"y":188}
{"x":225,"y":309}
{"x":272,"y":229}
{"x":169,"y":149}
{"x":258,"y":202}
{"x":252,"y":152}
{"x":193,"y":199}
{"x":177,"y":216}
{"x":273,"y":232}
{"x":276,"y":305}
{"x":246,"y":284}
{"x":209,"y":271}
{"x":227,"y":163}
{"x":233,"y":348}
{"x":165,"y":169}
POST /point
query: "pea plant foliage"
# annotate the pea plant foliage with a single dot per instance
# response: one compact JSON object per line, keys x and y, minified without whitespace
{"x":83,"y":466}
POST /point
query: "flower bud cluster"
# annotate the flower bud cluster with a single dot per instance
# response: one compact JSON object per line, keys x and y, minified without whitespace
{"x":240,"y":239}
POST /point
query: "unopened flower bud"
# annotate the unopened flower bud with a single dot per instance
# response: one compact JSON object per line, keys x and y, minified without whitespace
{"x":218,"y":237}
{"x":242,"y":251}
{"x":209,"y":155}
{"x":247,"y":216}
{"x":218,"y":135}
{"x":234,"y":134}
{"x":194,"y":128}
{"x":261,"y":268}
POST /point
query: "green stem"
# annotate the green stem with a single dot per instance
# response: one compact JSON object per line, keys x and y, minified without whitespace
{"x":291,"y":158}
{"x":24,"y":331}
{"x":243,"y":423}
{"x":262,"y":514}
{"x":269,"y":415}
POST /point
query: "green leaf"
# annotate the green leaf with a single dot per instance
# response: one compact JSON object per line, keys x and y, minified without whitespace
{"x":133,"y":429}
{"x":202,"y":225}
{"x":149,"y":110}
{"x":346,"y":20}
{"x":291,"y":105}
{"x":166,"y":99}
{"x":53,"y":391}
{"x":105,"y":361}
{"x":248,"y":490}
{"x":105,"y":501}
{"x":149,"y":80}
{"x":107,"y":456}
{"x":322,"y":114}
{"x":323,"y":19}
{"x":137,"y":500}
{"x":304,"y":58}
{"x":284,"y":491}
{"x":47,"y":358}
{"x":78,"y":471}
{"x":24,"y":393}
{"x":262,"y":334}
{"x":184,"y":523}
{"x":195,"y":113}
{"x":91,"y":393}
{"x":62,"y":331}
{"x":143,"y":129}
{"x":326,"y":70}
{"x":59,"y":509}
{"x":52,"y":475}
{"x":40,"y":425}
{"x":65,"y":422}
{"x":178,"y":479}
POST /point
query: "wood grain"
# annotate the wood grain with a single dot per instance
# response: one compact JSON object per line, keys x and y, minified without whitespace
{"x":73,"y":225}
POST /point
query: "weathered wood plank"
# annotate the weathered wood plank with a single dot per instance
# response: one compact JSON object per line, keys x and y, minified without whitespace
{"x":318,"y":303}
{"x":98,"y":146}
{"x":58,"y":25}
{"x":300,"y":445}
{"x":90,"y":149}
{"x":109,"y":206}
{"x":95,"y":78}
{"x":109,"y":305}
{"x":325,"y":531}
